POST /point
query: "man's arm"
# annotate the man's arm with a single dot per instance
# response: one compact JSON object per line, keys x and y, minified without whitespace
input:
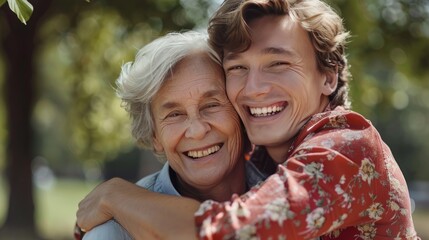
{"x":143,"y":213}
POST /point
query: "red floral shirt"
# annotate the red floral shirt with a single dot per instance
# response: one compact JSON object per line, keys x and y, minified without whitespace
{"x":340,"y":181}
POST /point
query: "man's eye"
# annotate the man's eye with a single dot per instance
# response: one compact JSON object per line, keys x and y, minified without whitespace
{"x":280,"y":64}
{"x":235,"y":68}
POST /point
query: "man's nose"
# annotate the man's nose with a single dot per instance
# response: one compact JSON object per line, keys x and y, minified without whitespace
{"x":197,"y":128}
{"x":256,"y":84}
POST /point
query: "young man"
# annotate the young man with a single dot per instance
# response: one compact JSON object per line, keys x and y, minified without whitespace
{"x":286,"y":75}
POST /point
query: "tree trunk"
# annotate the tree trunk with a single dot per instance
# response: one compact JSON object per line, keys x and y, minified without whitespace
{"x":19,"y":46}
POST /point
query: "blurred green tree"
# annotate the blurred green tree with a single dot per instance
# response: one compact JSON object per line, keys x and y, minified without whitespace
{"x":18,"y":46}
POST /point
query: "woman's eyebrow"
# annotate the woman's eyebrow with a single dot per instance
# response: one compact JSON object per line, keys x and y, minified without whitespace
{"x":169,"y":105}
{"x":212,"y":93}
{"x":208,"y":94}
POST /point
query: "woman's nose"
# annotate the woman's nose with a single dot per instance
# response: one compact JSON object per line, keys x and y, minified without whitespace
{"x":197,"y":129}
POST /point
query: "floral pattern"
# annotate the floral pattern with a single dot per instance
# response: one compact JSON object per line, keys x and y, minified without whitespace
{"x":340,"y":181}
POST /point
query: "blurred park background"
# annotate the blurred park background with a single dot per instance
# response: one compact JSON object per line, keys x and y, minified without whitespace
{"x":62,"y":129}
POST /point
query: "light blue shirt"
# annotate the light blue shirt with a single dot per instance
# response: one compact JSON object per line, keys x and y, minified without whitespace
{"x":158,"y":182}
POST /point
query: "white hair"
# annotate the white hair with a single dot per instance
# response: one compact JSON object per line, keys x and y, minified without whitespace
{"x":139,"y":81}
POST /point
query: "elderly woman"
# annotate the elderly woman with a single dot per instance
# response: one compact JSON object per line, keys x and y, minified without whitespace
{"x":175,"y":94}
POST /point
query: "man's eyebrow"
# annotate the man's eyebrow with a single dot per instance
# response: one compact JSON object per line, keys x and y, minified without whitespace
{"x":269,"y":50}
{"x":230,"y":56}
{"x":278,"y":51}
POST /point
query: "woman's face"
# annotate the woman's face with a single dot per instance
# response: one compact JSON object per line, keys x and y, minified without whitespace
{"x":196,"y":125}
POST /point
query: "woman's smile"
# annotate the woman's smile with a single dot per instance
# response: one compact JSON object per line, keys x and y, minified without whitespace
{"x":196,"y":154}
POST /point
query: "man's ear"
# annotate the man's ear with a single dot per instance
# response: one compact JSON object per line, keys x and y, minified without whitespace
{"x":331,"y":82}
{"x":157,"y":146}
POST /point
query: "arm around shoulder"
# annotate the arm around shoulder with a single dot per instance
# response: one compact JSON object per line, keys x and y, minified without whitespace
{"x":143,"y":213}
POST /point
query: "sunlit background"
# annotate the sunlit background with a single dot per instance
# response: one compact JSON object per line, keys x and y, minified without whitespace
{"x":81,"y":134}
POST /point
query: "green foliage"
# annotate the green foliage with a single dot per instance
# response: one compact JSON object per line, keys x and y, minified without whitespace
{"x":79,"y":74}
{"x":22,"y":8}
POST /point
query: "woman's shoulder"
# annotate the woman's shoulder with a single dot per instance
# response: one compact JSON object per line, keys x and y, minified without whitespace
{"x":149,"y":181}
{"x":160,"y":181}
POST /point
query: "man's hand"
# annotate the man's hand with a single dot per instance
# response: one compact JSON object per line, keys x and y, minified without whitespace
{"x":144,"y":214}
{"x":96,"y":208}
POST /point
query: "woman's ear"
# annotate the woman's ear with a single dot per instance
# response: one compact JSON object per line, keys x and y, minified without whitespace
{"x":331,"y":82}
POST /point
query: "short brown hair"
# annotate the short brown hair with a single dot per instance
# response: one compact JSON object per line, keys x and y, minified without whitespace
{"x":228,"y":30}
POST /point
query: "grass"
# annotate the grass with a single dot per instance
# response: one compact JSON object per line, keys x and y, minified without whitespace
{"x":421,"y":219}
{"x":57,"y":206}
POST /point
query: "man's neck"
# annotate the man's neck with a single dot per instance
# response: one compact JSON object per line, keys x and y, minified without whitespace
{"x":279,"y":153}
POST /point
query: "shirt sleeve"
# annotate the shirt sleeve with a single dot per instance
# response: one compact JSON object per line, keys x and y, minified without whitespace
{"x":329,"y":181}
{"x":110,"y":230}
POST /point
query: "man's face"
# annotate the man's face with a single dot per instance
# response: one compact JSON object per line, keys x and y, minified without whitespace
{"x":275,"y":85}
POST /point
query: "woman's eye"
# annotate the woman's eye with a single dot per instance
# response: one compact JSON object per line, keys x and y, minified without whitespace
{"x":173,"y":115}
{"x":211,"y":105}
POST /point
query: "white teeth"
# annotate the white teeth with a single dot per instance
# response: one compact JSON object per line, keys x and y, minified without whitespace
{"x":203,"y":153}
{"x":265,"y":111}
